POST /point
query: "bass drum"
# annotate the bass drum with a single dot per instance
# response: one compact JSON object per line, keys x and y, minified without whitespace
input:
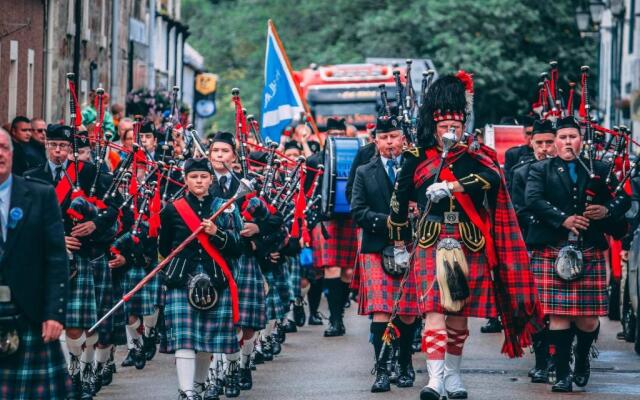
{"x":339,"y":153}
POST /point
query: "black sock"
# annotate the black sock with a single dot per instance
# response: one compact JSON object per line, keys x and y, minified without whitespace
{"x":541,"y":348}
{"x":407,"y":333}
{"x":377,"y":330}
{"x":334,"y":298}
{"x":561,"y":340}
{"x":314,"y":296}
{"x":346,"y":291}
{"x":584,"y":342}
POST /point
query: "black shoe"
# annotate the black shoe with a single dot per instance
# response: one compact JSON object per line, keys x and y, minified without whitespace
{"x":258,"y":357}
{"x":76,"y":386}
{"x":334,"y":329}
{"x":276,"y":347}
{"x":246,"y":382}
{"x":539,"y":375}
{"x":106,"y":376}
{"x":392,"y":368}
{"x":382,"y":383}
{"x":111,"y":364}
{"x":429,"y":394}
{"x":88,"y":387}
{"x":405,"y":376}
{"x":299,"y":316}
{"x":290,"y":327}
{"x":139,"y":356}
{"x":128,"y":361}
{"x":252,"y":362}
{"x":279,"y":335}
{"x":149,"y":346}
{"x":210,"y":391}
{"x":188,"y":395}
{"x":232,"y":380}
{"x":267,"y":351}
{"x":315,"y":319}
{"x":343,"y":329}
{"x":581,"y":371}
{"x":493,"y":325}
{"x":98,"y":377}
{"x":563,"y":385}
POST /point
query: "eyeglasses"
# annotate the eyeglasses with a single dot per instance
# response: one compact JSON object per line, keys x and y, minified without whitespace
{"x":61,"y":146}
{"x":41,"y":130}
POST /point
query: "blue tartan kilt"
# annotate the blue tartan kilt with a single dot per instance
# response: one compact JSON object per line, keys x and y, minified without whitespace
{"x":295,"y":276}
{"x":275,"y":305}
{"x":37,"y":370}
{"x":82,"y":309}
{"x":104,"y":296}
{"x":250,"y":282}
{"x":145,"y":300}
{"x":118,"y":335}
{"x":211,"y":331}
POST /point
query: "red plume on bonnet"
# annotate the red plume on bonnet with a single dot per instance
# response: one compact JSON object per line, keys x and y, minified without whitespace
{"x":467,"y":80}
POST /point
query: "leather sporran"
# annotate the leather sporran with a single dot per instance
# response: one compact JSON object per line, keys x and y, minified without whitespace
{"x":569,"y":265}
{"x":452,"y":271}
{"x":9,"y":336}
{"x":203,"y":295}
{"x":389,"y":264}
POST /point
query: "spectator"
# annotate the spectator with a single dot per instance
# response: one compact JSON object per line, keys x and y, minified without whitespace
{"x":20,"y":136}
{"x":35,"y":151}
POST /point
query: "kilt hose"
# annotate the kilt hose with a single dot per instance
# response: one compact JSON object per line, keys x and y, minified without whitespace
{"x":252,"y":298}
{"x":274,"y":305}
{"x":37,"y":370}
{"x":82,"y":308}
{"x":295,"y":276}
{"x":378,"y":290}
{"x":480,"y":303}
{"x":587,"y":296}
{"x":144,"y":302}
{"x":104,"y":296}
{"x":188,"y":328}
{"x":340,"y":248}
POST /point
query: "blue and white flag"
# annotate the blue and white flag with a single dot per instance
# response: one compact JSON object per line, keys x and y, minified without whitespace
{"x":281,"y":102}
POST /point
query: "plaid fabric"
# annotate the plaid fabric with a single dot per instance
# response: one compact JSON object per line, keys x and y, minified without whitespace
{"x":211,"y":331}
{"x":82,"y":310}
{"x":118,"y":334}
{"x":251,"y":293}
{"x":282,"y":283}
{"x":378,"y":290}
{"x":481,"y":302}
{"x":340,"y":249}
{"x":584,"y":297}
{"x":104,"y":296}
{"x":275,"y":306}
{"x":37,"y":370}
{"x":295,"y":275}
{"x":143,"y":302}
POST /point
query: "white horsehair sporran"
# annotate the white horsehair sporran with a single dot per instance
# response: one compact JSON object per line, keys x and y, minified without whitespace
{"x":452,"y":271}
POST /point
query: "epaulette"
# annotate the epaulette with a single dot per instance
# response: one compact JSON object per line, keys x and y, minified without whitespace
{"x":37,"y":180}
{"x":413,"y":151}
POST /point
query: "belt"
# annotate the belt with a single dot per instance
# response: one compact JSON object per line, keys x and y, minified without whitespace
{"x":448,"y":218}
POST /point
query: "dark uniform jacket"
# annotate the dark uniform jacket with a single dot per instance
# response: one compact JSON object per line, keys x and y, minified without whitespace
{"x":519,"y":177}
{"x":370,"y":204}
{"x":513,"y":156}
{"x":363,"y":156}
{"x":552,"y":197}
{"x":35,"y":263}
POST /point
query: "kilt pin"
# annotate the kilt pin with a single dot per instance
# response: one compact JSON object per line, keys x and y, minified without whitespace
{"x":587,"y":296}
{"x":481,"y":301}
{"x":37,"y":370}
{"x":340,"y":248}
{"x":186,"y":327}
{"x":378,"y":290}
{"x":82,"y":309}
{"x":251,"y":293}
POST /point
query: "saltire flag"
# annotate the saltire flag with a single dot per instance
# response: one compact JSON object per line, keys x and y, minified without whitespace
{"x":281,"y":99}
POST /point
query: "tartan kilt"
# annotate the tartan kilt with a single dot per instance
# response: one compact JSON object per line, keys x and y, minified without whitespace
{"x":587,"y":296}
{"x":378,"y":290}
{"x":340,"y":249}
{"x":118,"y":335}
{"x":82,"y":309}
{"x":481,"y":302}
{"x":295,"y":275}
{"x":104,"y":296}
{"x":251,"y":293}
{"x":274,"y":305}
{"x":37,"y":370}
{"x":187,"y":328}
{"x":142,"y":303}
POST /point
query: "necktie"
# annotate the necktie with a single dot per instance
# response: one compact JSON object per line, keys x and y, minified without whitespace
{"x":391,"y":171}
{"x":58,"y":175}
{"x":223,"y":184}
{"x":572,"y":172}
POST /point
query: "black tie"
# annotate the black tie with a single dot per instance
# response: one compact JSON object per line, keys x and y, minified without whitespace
{"x":58,"y":175}
{"x":223,"y":184}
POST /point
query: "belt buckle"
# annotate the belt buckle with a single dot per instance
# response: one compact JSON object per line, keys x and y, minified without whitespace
{"x":5,"y":294}
{"x":451,"y":217}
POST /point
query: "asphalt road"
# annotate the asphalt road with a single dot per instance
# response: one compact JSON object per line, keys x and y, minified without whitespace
{"x":313,"y":367}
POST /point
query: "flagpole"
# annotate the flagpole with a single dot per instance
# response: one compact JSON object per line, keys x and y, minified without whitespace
{"x":307,"y":110}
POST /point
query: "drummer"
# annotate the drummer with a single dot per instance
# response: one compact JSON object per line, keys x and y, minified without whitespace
{"x":334,"y":248}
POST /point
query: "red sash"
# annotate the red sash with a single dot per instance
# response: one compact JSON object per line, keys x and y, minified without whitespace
{"x":193,"y":222}
{"x":482,"y":222}
{"x":64,"y":185}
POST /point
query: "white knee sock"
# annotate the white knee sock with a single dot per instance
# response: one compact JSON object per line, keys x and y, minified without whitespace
{"x":150,"y":322}
{"x":132,"y":333}
{"x":202,"y":366}
{"x":246,"y":350}
{"x":102,"y":355}
{"x":88,"y":355}
{"x":232,"y":357}
{"x":266,"y":332}
{"x":75,"y":349}
{"x":186,"y":368}
{"x":304,"y":291}
{"x":65,"y":349}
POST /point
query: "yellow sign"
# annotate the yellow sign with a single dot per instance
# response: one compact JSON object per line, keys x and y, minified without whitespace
{"x":206,"y":83}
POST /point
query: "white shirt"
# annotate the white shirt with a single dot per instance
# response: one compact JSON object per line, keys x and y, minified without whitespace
{"x":53,"y":166}
{"x":228,"y":175}
{"x":5,"y":203}
{"x":384,"y":163}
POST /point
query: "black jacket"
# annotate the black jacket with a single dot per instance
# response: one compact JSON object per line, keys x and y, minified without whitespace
{"x":552,"y":198}
{"x":35,"y":263}
{"x":519,"y":176}
{"x":363,"y":156}
{"x":513,"y":156}
{"x":370,"y":205}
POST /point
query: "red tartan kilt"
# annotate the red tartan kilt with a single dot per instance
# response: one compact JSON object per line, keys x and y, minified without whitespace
{"x":584,"y":297}
{"x":340,"y":249}
{"x":378,"y":290}
{"x":481,"y":302}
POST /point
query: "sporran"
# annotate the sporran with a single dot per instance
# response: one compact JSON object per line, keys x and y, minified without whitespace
{"x":569,"y":265}
{"x":452,"y":271}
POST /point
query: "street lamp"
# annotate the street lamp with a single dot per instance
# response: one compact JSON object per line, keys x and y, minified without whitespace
{"x":596,"y":8}
{"x":617,"y":7}
{"x":582,"y":19}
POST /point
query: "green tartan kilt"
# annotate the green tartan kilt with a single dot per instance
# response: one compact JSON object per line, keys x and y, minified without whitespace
{"x":82,"y":309}
{"x":252,"y":298}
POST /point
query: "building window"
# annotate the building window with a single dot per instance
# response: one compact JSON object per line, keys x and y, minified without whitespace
{"x":31,"y":55}
{"x":13,"y":79}
{"x":71,"y":18}
{"x":103,"y":24}
{"x":86,"y":18}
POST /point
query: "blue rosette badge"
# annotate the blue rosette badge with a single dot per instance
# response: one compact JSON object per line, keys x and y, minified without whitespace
{"x":15,"y":215}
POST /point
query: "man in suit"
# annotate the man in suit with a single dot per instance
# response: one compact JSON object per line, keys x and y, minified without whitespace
{"x":33,"y":284}
{"x":515,"y":154}
{"x":371,"y":197}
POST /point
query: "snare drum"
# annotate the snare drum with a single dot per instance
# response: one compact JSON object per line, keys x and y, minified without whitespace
{"x":339,"y":154}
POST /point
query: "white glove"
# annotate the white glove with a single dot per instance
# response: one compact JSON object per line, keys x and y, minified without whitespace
{"x":401,"y":257}
{"x":438,"y":191}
